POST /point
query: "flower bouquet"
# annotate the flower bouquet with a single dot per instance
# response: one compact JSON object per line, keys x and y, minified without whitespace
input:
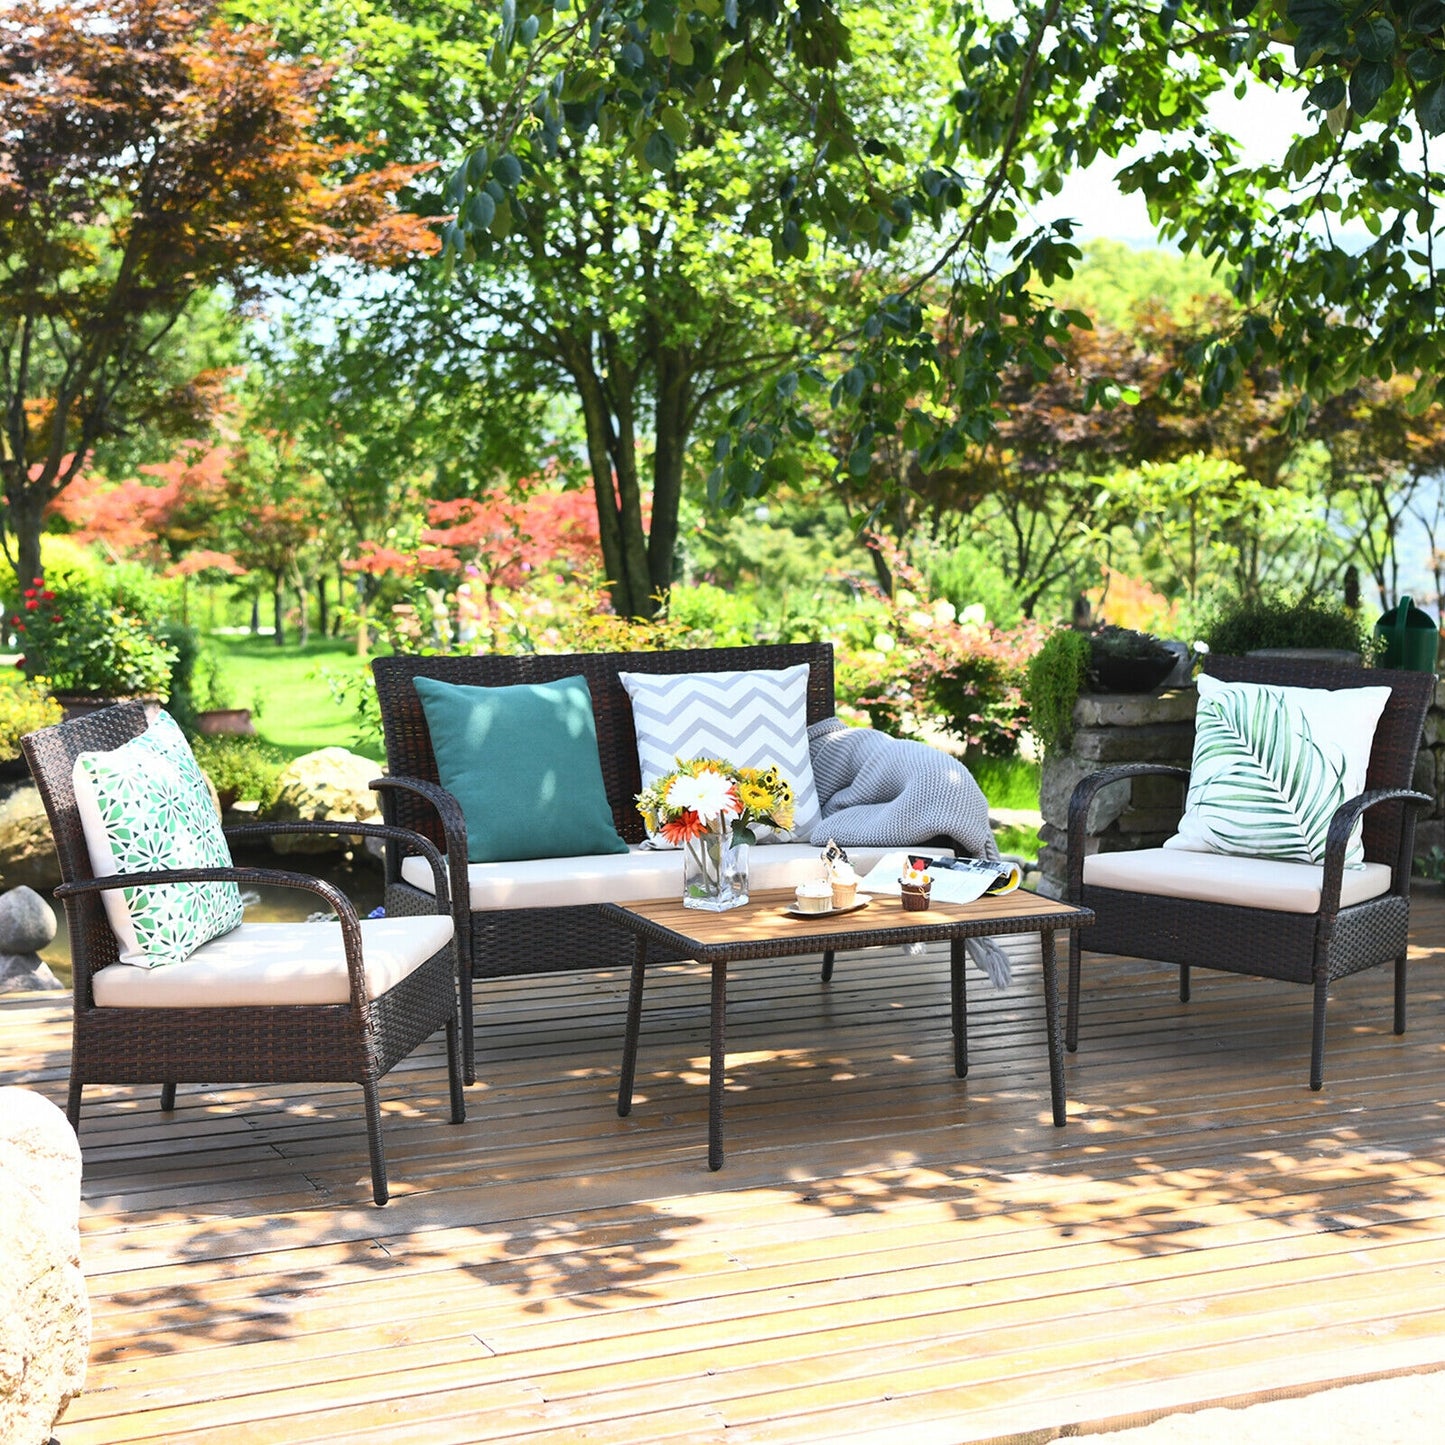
{"x":711,"y":810}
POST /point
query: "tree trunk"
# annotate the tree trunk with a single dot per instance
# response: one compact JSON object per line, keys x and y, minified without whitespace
{"x":671,"y":427}
{"x":255,"y":614}
{"x":303,"y":604}
{"x":323,"y":621}
{"x":612,"y":457}
{"x":278,"y":607}
{"x":26,"y":519}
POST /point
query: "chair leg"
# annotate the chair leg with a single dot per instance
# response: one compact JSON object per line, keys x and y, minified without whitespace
{"x":1400,"y":994}
{"x":379,"y":1191}
{"x":454,"y":1072}
{"x":827,"y":974}
{"x":469,"y":1046}
{"x":168,"y":1097}
{"x":1183,"y":983}
{"x":1317,"y":1038}
{"x":72,"y":1101}
{"x":1071,"y":1026}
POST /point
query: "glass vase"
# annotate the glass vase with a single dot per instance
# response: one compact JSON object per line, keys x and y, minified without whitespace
{"x":714,"y":872}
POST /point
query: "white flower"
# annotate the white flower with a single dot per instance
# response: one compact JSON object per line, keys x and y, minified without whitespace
{"x":974,"y":615}
{"x":883,"y":642}
{"x":709,"y":795}
{"x":944,"y":612}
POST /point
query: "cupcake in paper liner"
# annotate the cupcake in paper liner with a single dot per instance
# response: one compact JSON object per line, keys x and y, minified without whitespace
{"x":916,"y":886}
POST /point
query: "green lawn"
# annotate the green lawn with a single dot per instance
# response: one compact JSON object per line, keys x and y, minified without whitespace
{"x":292,"y":705}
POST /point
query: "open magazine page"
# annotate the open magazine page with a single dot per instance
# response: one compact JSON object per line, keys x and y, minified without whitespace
{"x":960,"y":880}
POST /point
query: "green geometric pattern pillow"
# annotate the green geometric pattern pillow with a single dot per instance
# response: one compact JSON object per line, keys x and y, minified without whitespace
{"x":145,"y":806}
{"x":1271,"y":766}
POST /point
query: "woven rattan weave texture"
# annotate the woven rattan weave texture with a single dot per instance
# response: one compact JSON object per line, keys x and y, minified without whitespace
{"x":1310,"y":948}
{"x":357,"y":1042}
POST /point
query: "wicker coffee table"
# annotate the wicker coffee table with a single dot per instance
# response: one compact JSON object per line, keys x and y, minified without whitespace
{"x":763,"y":930}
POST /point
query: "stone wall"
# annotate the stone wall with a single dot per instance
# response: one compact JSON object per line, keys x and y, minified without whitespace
{"x":1108,"y":730}
{"x":1143,"y":812}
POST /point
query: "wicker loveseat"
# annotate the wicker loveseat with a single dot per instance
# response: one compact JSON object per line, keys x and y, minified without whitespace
{"x":538,"y":916}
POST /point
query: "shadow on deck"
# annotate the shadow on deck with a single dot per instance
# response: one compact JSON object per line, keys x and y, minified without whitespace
{"x":890,"y":1252}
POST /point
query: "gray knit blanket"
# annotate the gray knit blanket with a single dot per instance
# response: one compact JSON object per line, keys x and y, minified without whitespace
{"x":878,"y":791}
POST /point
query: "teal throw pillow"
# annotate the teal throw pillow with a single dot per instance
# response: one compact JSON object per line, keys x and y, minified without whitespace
{"x":522,"y":762}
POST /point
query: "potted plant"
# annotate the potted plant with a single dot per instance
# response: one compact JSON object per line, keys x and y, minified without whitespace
{"x":1121,"y":660}
{"x":216,"y":712}
{"x":1271,"y":622}
{"x":88,"y":649}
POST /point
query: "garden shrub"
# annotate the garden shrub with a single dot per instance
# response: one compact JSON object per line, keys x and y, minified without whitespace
{"x":1054,"y":679}
{"x":1237,"y":625}
{"x":24,"y":707}
{"x":242,"y":768}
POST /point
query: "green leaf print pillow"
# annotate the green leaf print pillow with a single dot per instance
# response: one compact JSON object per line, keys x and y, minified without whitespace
{"x":1271,"y":765}
{"x":145,"y":806}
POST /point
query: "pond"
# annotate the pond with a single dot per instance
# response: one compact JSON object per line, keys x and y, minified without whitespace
{"x":361,"y":882}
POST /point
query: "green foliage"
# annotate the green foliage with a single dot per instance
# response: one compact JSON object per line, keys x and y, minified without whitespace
{"x":1431,"y":865}
{"x":24,"y":707}
{"x":242,"y":769}
{"x":81,"y":638}
{"x":1055,"y":677}
{"x":1235,"y":626}
{"x":185,"y":643}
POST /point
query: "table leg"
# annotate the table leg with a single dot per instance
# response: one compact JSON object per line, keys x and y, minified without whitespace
{"x":634,"y":1024}
{"x":957,"y":960}
{"x":827,"y":965}
{"x":1051,"y":1013}
{"x":717,"y":1067}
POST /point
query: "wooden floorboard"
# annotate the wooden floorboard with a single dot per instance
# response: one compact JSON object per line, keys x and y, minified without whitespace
{"x":890,"y":1252}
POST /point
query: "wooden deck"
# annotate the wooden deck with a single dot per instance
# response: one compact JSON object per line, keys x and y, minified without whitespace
{"x":890,"y":1254}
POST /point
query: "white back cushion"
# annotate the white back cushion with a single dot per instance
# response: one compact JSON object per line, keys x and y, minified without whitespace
{"x":1271,"y":765}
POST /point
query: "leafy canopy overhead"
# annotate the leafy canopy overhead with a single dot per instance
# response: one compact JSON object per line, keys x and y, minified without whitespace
{"x":1331,"y":242}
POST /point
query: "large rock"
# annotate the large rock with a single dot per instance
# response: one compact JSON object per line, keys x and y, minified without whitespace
{"x":44,"y":1309}
{"x":27,"y":851}
{"x":326,"y":786}
{"x":27,"y":921}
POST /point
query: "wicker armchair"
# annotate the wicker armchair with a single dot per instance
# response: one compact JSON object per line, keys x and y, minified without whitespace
{"x":1311,"y":948}
{"x":358,"y":1041}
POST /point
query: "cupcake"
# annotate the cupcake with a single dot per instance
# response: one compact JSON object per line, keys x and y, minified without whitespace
{"x":815,"y":896}
{"x":915,"y":884}
{"x":844,"y":883}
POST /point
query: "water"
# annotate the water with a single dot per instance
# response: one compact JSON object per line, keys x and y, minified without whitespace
{"x":360,"y":882}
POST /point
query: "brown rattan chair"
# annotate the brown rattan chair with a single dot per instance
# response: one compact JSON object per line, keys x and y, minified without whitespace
{"x":1309,"y":948}
{"x":356,"y":1042}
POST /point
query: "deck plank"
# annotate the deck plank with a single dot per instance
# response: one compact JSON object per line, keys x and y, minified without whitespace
{"x":888,"y":1249}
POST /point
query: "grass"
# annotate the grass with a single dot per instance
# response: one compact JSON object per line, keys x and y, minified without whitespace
{"x":291,"y":702}
{"x":1010,"y":783}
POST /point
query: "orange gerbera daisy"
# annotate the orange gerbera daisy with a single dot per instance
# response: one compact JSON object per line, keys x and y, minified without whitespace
{"x":686,"y":825}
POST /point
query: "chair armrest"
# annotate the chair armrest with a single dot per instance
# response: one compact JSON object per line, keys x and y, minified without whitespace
{"x":347,"y":828}
{"x":454,"y":830}
{"x":1337,"y":839}
{"x":1082,"y":799}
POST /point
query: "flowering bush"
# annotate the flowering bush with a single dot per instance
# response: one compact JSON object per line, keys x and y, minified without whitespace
{"x":79,"y":640}
{"x":910,"y":660}
{"x":705,"y":795}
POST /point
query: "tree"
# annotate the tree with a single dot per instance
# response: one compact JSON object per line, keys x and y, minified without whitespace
{"x":149,"y":153}
{"x":1332,"y":248}
{"x":646,"y":295}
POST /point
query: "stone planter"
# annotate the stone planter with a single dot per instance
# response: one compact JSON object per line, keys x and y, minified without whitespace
{"x":218,"y":720}
{"x":81,"y":704}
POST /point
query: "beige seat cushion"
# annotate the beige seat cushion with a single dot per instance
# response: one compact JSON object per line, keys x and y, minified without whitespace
{"x":1224,"y":878}
{"x":277,"y":963}
{"x":625,"y":877}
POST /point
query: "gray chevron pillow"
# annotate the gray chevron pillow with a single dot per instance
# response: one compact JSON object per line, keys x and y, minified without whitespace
{"x":751,"y":719}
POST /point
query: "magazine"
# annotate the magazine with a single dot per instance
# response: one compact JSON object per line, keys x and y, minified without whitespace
{"x":955,"y":880}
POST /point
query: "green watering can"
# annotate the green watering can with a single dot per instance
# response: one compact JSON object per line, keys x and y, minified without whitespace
{"x":1412,"y":640}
